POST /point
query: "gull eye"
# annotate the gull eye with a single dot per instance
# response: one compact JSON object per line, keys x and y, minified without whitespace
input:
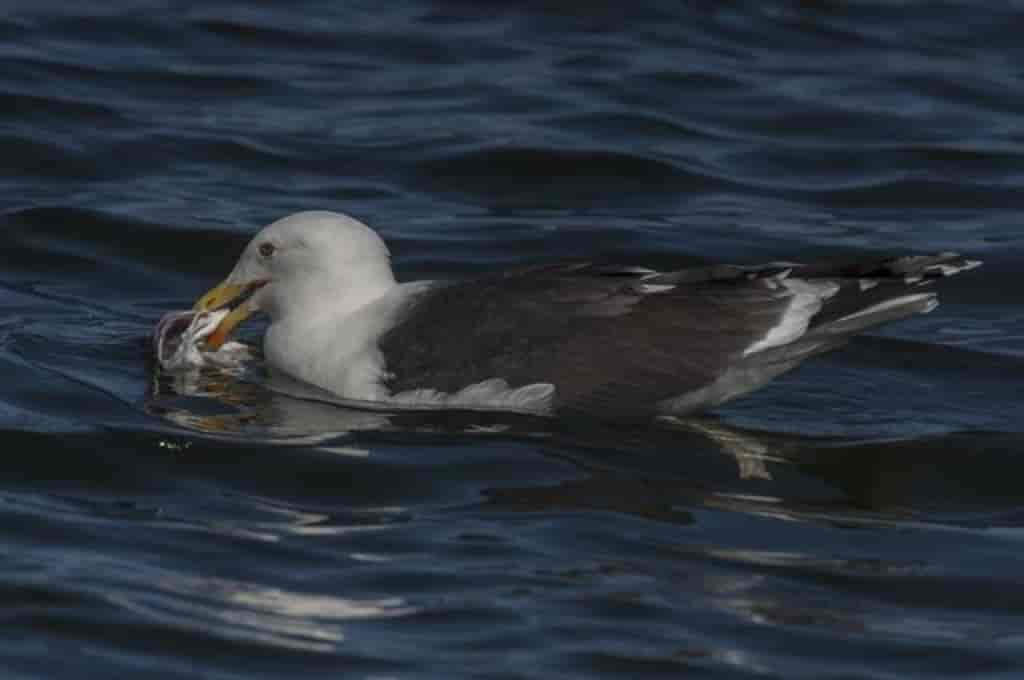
{"x":267,"y":249}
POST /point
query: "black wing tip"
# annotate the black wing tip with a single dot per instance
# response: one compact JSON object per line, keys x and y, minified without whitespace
{"x":916,"y":268}
{"x":954,"y":263}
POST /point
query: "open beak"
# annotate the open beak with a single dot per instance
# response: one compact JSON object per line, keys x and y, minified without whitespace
{"x":223,"y":295}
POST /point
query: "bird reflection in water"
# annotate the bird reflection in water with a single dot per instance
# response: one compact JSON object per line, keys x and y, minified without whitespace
{"x":659,"y":471}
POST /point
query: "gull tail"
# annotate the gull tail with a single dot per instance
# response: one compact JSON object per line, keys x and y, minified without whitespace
{"x":873,"y":293}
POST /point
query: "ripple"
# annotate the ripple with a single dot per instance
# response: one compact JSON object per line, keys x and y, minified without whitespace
{"x":928,"y":193}
{"x":546,"y":174}
{"x":56,"y":108}
{"x":48,"y":232}
{"x":153,"y":527}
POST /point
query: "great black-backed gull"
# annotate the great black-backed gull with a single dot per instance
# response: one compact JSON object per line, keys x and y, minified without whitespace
{"x":579,"y":338}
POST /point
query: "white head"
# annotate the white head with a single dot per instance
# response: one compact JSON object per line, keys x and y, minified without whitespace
{"x":306,"y":261}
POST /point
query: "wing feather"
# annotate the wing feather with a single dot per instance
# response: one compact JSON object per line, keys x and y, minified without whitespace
{"x":607,"y":344}
{"x":621,"y":341}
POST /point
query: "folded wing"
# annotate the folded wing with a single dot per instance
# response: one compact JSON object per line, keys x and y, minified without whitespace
{"x":627,"y":342}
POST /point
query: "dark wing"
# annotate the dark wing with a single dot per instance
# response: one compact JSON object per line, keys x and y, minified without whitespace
{"x":619,"y":341}
{"x":614,"y":341}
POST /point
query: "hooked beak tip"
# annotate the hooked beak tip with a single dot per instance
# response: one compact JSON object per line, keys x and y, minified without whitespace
{"x":221,"y":296}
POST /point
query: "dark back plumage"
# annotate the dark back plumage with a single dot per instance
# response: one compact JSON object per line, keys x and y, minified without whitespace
{"x":620,"y":341}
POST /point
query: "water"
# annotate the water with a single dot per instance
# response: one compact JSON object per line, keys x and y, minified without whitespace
{"x":860,"y":518}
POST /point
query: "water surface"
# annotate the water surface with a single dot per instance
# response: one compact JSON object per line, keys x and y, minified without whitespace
{"x":860,"y":518}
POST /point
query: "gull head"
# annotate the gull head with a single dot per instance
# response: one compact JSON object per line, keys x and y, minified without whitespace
{"x":314,"y":262}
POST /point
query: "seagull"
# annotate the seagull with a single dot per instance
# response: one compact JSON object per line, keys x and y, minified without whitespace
{"x":607,"y":341}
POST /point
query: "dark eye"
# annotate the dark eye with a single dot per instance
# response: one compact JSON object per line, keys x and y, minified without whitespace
{"x":267,"y":249}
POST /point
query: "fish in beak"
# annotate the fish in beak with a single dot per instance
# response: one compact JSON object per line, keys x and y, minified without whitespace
{"x":236,"y":296}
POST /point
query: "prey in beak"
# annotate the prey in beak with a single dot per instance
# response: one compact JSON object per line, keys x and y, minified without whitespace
{"x":237,"y":297}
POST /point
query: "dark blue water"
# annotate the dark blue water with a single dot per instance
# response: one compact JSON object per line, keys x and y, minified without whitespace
{"x":861,"y":518}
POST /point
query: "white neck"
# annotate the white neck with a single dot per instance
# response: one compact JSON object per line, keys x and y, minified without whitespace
{"x":326,"y":331}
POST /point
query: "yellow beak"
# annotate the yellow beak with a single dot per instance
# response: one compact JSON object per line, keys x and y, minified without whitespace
{"x":220,"y":296}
